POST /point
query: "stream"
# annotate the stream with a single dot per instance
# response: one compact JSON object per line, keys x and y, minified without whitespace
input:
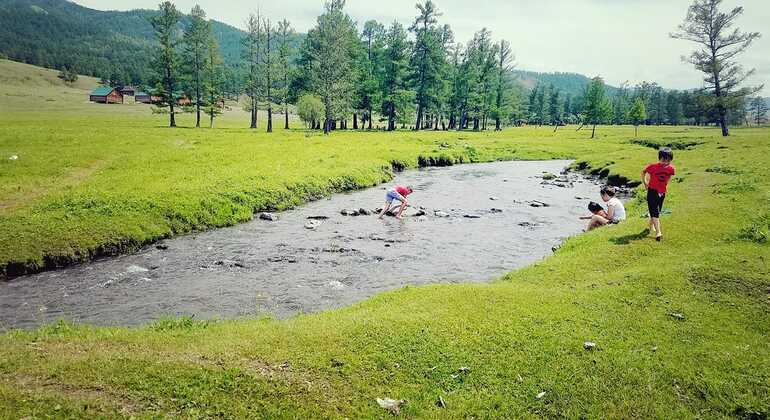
{"x":281,"y":268}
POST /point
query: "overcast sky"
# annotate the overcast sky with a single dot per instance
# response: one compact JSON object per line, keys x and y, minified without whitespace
{"x":620,"y":40}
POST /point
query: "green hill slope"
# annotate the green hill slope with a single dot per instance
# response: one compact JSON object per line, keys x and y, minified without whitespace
{"x":109,"y":44}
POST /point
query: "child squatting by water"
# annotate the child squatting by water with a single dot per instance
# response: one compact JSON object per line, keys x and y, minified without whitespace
{"x":615,"y":213}
{"x":398,"y":193}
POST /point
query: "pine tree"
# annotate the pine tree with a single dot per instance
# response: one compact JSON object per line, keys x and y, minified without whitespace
{"x":165,"y":61}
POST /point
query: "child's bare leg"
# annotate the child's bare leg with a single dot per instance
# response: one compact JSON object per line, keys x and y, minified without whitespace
{"x":385,"y":209}
{"x":656,"y":224}
{"x":597,"y":221}
{"x":401,"y":210}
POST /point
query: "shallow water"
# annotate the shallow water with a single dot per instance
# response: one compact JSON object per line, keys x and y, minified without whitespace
{"x":281,"y":268}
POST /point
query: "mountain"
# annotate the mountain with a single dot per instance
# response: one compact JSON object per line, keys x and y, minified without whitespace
{"x":571,"y":83}
{"x":109,"y":44}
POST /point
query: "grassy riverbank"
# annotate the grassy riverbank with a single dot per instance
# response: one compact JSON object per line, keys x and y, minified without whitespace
{"x":681,"y":326}
{"x":94,"y":179}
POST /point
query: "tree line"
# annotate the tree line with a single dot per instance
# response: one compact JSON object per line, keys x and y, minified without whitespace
{"x":417,"y":76}
{"x":420,"y":77}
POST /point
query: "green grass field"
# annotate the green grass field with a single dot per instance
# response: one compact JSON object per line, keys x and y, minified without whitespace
{"x":681,"y":326}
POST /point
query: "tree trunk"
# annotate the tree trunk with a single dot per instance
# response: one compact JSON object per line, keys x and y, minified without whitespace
{"x":370,"y":118}
{"x":355,"y":121}
{"x":253,"y":116}
{"x":172,"y":115}
{"x":593,"y":131}
{"x":269,"y":118}
{"x":497,"y":124}
{"x":211,"y":120}
{"x":286,"y":117}
{"x":636,"y":131}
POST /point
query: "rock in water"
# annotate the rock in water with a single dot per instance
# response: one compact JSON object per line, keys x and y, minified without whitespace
{"x":349,"y":212}
{"x":472,"y":216}
{"x":494,"y":210}
{"x":318,"y":217}
{"x":268,"y":216}
{"x":312,"y":225}
{"x":136,"y":269}
{"x":493,"y":198}
{"x":364,"y":212}
{"x":535,"y":203}
{"x":439,"y":213}
{"x":419,"y":213}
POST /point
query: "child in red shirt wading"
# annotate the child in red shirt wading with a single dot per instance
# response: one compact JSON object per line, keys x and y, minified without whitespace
{"x":655,"y":178}
{"x":399,"y":194}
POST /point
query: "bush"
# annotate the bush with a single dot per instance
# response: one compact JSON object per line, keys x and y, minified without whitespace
{"x":310,"y":109}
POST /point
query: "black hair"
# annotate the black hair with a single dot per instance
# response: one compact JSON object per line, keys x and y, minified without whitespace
{"x":594,"y":207}
{"x":609,"y":190}
{"x":665,"y":154}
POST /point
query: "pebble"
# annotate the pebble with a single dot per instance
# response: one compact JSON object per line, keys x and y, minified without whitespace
{"x":472,"y":216}
{"x":589,"y":345}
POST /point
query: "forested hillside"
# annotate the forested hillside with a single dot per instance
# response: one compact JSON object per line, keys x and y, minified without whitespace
{"x":109,"y":44}
{"x":568,"y":83}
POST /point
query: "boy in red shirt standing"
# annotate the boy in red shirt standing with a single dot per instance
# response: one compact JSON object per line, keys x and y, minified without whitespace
{"x":399,"y":194}
{"x":655,"y":178}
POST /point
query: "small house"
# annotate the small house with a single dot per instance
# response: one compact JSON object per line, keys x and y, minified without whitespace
{"x":127,"y":91}
{"x":143,"y":97}
{"x":106,"y":95}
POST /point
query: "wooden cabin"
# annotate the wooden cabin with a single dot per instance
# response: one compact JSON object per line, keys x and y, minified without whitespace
{"x":145,"y":98}
{"x":106,"y":95}
{"x":127,"y":91}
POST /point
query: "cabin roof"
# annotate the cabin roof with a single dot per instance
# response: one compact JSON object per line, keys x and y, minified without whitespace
{"x":102,"y":91}
{"x":142,"y":94}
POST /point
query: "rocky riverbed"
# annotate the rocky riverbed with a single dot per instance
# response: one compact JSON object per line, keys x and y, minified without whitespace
{"x":467,"y":223}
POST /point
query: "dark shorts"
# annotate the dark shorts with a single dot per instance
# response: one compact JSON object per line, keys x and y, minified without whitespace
{"x":655,"y":202}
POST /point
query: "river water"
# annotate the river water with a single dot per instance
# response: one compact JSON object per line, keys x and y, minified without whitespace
{"x":280,"y":268}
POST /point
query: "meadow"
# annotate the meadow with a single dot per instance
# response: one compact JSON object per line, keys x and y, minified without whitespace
{"x":681,"y":327}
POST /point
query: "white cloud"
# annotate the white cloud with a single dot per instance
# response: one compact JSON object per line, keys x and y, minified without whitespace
{"x":621,"y":40}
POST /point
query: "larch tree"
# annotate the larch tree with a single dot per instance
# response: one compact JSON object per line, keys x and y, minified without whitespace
{"x":637,"y":114}
{"x":396,"y":96}
{"x":166,"y":60}
{"x":332,"y":45}
{"x":268,"y":64}
{"x":597,"y":108}
{"x":285,"y":34}
{"x":758,"y":107}
{"x":252,"y":57}
{"x":213,"y":82}
{"x":425,"y":51}
{"x":370,"y":95}
{"x":504,"y":67}
{"x":710,"y":28}
{"x":554,"y":108}
{"x":196,"y":41}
